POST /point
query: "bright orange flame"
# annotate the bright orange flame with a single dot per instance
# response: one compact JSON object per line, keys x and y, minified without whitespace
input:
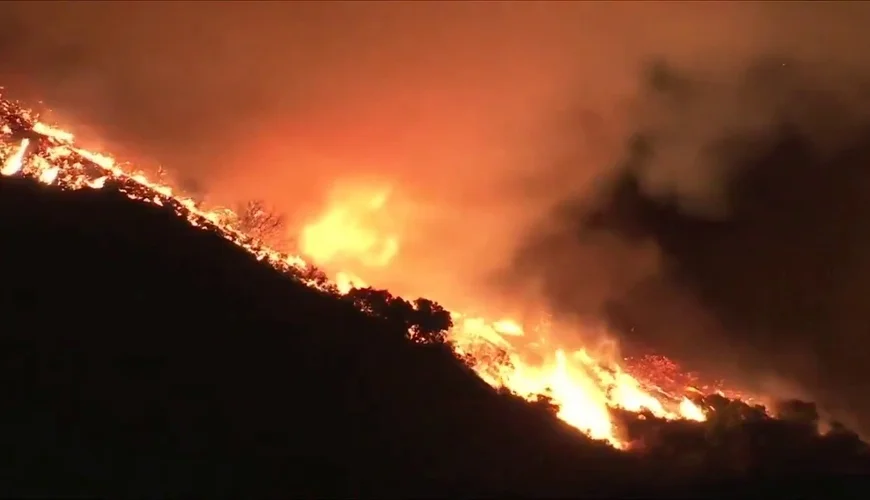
{"x":691,"y":411}
{"x":583,"y":388}
{"x":14,"y":162}
{"x":345,"y":231}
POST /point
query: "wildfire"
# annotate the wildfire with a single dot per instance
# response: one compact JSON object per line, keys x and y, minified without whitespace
{"x":583,"y":388}
{"x":343,"y":230}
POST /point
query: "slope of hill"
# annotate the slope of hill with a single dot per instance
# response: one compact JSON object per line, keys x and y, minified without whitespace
{"x":144,"y":357}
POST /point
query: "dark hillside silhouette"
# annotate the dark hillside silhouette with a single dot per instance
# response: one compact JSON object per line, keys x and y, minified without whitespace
{"x":143,"y":357}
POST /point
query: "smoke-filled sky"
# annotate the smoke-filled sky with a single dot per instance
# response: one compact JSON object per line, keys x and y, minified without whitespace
{"x":684,"y":171}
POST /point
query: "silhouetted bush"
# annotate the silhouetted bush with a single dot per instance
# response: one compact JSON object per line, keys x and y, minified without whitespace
{"x":424,"y":321}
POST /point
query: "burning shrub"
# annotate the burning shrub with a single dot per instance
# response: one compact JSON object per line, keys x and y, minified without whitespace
{"x":254,"y":218}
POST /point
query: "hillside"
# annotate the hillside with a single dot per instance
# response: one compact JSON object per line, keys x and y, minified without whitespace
{"x":150,"y":357}
{"x":147,"y":357}
{"x":149,"y":352}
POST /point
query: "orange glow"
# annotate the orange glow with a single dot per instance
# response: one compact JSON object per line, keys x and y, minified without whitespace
{"x":354,"y":227}
{"x":345,"y":230}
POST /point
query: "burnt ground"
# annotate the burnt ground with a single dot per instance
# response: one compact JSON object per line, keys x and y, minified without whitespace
{"x":141,"y":357}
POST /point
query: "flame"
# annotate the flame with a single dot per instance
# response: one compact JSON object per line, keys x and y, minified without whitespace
{"x":583,"y":388}
{"x":344,"y":230}
{"x":691,"y":411}
{"x":13,"y":163}
{"x":346,"y":282}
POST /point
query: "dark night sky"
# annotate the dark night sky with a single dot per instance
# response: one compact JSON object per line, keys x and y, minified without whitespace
{"x":486,"y":115}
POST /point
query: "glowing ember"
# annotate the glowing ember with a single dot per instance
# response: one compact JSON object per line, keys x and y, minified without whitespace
{"x":583,"y":388}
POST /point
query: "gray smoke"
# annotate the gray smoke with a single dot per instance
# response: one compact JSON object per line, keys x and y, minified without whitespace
{"x":733,"y":233}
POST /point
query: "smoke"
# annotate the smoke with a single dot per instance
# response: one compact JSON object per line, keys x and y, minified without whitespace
{"x":480,"y":117}
{"x":446,"y":104}
{"x":732,"y":231}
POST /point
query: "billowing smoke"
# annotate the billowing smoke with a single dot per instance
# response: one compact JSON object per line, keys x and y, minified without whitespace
{"x":447,"y":103}
{"x":733,"y":232}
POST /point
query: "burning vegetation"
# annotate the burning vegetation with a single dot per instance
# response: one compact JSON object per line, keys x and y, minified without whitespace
{"x":632,"y":404}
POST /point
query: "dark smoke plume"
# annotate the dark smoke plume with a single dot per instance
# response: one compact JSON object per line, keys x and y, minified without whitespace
{"x":734,"y":234}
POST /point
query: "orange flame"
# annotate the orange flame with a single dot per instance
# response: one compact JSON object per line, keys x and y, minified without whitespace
{"x":343,"y":231}
{"x":583,"y":388}
{"x":13,"y":163}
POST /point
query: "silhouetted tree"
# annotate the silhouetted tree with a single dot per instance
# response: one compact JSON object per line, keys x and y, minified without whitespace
{"x":370,"y":300}
{"x":316,"y":275}
{"x":255,"y":219}
{"x":430,"y":322}
{"x":545,"y":403}
{"x":425,"y":321}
